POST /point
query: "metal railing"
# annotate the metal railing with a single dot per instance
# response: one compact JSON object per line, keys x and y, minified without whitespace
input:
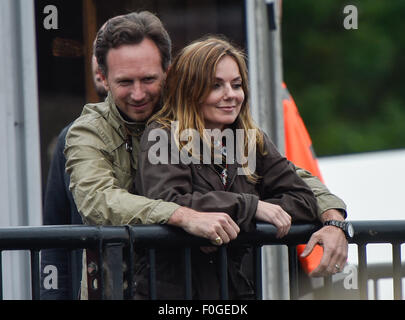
{"x":386,"y":231}
{"x":113,"y":245}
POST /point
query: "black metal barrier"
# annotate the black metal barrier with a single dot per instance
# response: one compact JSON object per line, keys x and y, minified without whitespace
{"x":385,"y":231}
{"x":111,"y":246}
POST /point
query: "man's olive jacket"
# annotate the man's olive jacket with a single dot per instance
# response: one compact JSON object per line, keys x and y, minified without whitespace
{"x":102,"y":168}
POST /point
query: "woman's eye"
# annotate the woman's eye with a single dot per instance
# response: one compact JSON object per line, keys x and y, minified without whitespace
{"x":216,"y":86}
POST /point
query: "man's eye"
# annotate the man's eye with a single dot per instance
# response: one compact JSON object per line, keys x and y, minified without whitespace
{"x":125,"y":83}
{"x":149,"y":79}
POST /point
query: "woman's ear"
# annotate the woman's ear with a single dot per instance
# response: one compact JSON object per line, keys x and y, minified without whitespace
{"x":166,"y":72}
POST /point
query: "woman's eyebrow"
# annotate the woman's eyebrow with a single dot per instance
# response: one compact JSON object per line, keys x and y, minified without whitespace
{"x":238,"y":78}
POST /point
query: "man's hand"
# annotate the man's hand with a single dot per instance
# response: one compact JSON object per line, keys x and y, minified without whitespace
{"x":215,"y":226}
{"x":275,"y":215}
{"x":334,"y":243}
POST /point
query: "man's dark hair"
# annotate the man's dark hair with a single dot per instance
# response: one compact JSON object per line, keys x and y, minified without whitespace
{"x":129,"y":29}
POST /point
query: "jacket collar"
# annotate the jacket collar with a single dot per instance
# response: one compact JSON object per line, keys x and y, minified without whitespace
{"x":135,"y":128}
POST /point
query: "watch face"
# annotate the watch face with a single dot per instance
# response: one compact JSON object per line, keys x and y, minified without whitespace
{"x":350,"y":230}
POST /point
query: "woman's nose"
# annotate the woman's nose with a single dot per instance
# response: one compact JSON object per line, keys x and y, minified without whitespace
{"x":229,"y":92}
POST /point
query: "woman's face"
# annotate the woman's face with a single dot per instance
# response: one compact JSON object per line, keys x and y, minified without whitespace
{"x":224,"y":102}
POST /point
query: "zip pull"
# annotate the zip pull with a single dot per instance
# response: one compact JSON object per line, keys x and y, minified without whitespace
{"x":128,"y":144}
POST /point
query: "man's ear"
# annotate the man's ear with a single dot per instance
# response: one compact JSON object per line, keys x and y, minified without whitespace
{"x":104,"y":79}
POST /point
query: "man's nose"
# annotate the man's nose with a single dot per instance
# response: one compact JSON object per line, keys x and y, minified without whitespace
{"x":137,"y":92}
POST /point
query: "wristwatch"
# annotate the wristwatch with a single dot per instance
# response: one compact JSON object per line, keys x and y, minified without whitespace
{"x":346,"y":226}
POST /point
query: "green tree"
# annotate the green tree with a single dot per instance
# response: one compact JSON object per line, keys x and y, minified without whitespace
{"x":347,"y":83}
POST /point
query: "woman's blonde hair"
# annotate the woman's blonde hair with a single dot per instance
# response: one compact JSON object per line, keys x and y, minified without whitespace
{"x":190,"y":80}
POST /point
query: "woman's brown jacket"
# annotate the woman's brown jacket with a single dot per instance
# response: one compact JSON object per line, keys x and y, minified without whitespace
{"x":199,"y":186}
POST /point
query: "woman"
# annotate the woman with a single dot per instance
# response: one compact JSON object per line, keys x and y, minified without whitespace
{"x":206,"y":92}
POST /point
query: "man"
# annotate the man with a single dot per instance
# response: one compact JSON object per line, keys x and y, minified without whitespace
{"x":134,"y":53}
{"x":60,"y":209}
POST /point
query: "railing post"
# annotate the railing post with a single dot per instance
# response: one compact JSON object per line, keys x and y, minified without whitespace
{"x":188,"y":278}
{"x":113,"y":272}
{"x":375,"y":287}
{"x":76,"y":267}
{"x":35,"y":278}
{"x":94,"y":274}
{"x":258,"y":272}
{"x":1,"y":274}
{"x":363,"y":277}
{"x":223,"y":272}
{"x":293,"y":272}
{"x":397,"y":274}
{"x":130,"y":270}
{"x":328,"y":287}
{"x":152,"y":274}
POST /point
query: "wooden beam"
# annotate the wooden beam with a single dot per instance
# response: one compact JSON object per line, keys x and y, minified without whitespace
{"x":89,"y":33}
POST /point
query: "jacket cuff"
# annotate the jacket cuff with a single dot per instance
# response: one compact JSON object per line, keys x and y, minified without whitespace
{"x":330,"y":202}
{"x":161,"y":212}
{"x":248,"y":222}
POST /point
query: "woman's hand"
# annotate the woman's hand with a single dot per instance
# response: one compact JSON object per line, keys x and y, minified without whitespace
{"x":275,"y":215}
{"x":218,"y":227}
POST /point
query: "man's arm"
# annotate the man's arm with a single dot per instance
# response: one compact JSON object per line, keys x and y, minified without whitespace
{"x":334,"y":243}
{"x":332,"y":239}
{"x":325,"y":199}
{"x":100,"y":187}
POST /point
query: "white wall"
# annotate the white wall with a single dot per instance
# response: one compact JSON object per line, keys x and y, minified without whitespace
{"x":372,"y":184}
{"x":373,"y":187}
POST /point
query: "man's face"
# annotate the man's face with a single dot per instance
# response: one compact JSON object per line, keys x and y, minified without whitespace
{"x":135,"y":78}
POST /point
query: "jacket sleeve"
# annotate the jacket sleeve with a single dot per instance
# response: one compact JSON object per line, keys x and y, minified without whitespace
{"x":174,"y":182}
{"x":56,"y":212}
{"x":325,"y":199}
{"x":101,"y":197}
{"x":282,"y":186}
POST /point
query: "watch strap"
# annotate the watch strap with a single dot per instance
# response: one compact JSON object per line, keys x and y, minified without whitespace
{"x":338,"y":224}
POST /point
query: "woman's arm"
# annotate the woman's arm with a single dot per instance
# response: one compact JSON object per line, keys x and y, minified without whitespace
{"x":280,"y":185}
